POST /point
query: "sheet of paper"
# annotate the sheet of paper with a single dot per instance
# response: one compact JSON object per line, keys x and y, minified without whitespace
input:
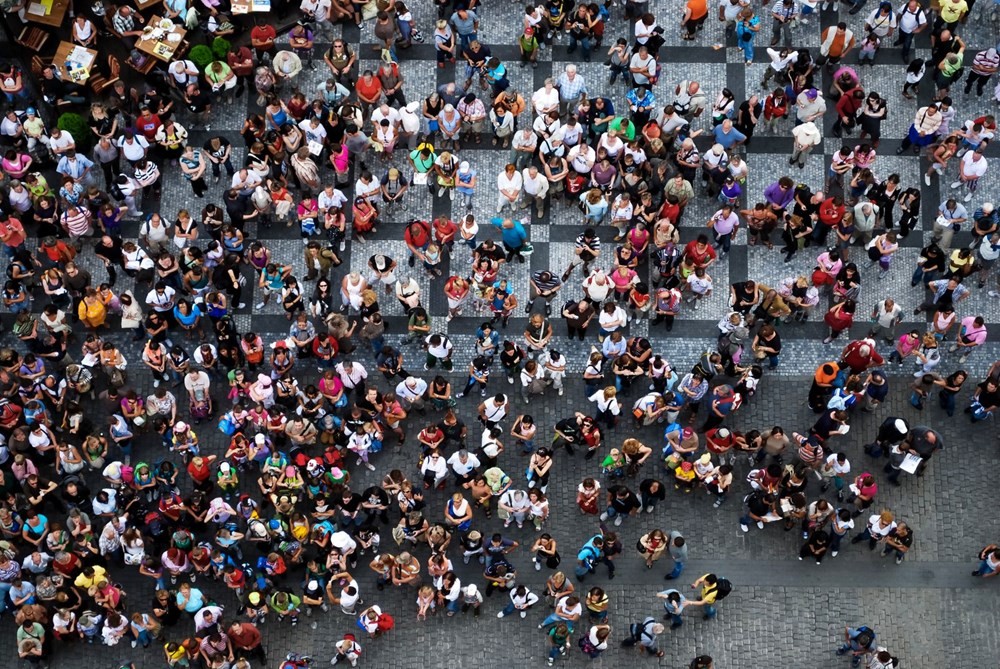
{"x":36,"y":8}
{"x":910,"y":463}
{"x":420,"y":179}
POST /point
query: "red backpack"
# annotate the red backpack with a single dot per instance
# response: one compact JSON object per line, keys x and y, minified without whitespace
{"x":385,"y":622}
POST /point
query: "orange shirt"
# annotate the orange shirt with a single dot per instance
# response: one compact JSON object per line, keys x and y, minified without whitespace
{"x":699,"y":8}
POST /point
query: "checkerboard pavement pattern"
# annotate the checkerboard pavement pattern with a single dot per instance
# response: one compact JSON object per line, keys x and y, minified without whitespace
{"x":927,"y":611}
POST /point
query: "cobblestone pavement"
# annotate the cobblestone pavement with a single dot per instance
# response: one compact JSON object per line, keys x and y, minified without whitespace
{"x":782,"y":613}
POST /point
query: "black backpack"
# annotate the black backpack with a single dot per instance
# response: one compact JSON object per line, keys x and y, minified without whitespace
{"x":722,"y":589}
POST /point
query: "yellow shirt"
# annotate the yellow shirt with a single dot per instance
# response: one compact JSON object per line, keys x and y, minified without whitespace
{"x":83,"y":582}
{"x":951,"y":12}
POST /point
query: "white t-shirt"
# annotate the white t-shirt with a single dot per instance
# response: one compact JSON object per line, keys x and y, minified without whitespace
{"x":973,"y":168}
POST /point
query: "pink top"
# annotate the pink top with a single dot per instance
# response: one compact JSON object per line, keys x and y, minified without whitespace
{"x":623,"y":282}
{"x":972,"y":333}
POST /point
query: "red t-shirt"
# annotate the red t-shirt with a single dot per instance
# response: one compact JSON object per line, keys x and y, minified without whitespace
{"x":699,"y":256}
{"x":418,"y":234}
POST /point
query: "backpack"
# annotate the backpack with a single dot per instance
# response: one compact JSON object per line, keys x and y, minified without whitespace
{"x":155,"y":524}
{"x":722,"y":589}
{"x":865,"y":631}
{"x":385,"y":622}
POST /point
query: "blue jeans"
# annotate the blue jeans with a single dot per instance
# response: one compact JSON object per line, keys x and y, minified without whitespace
{"x":710,"y":611}
{"x":984,"y":569}
{"x":675,"y":618}
{"x":552,"y":619}
{"x":581,"y":570}
{"x":678,"y":568}
{"x":773,"y":361}
{"x":747,"y":48}
{"x":920,"y":275}
{"x":453,"y":606}
{"x":527,"y":446}
{"x":584,"y":45}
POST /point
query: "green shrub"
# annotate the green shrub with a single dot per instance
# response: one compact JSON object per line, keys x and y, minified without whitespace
{"x":201,"y":56}
{"x":221,"y":48}
{"x":77,"y":126}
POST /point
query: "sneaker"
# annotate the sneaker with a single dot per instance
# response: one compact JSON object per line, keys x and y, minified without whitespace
{"x":524,"y":614}
{"x":459,"y":396}
{"x":357,"y":462}
{"x":953,"y":348}
{"x":134,"y":643}
{"x":993,"y":293}
{"x":745,"y":528}
{"x":717,"y":503}
{"x":466,"y":559}
{"x":482,"y":559}
{"x":649,"y":509}
{"x":968,"y":197}
{"x":834,"y":553}
{"x":550,"y":661}
{"x":538,"y":565}
{"x":927,"y":179}
{"x":618,"y":521}
{"x":560,"y":392}
{"x":604,"y":516}
{"x":260,"y":305}
{"x":805,"y":535}
{"x":956,"y":184}
{"x":500,"y":614}
{"x":510,"y":380}
{"x":800,"y":558}
{"x":482,"y":393}
{"x":370,"y":466}
{"x":313,"y":625}
{"x":440,"y":191}
{"x":963,"y":359}
{"x":242,"y":305}
{"x":760,"y":524}
{"x":819,"y":562}
{"x":156,"y":384}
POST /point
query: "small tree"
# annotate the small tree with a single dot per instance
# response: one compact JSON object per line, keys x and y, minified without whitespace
{"x":201,"y":56}
{"x":77,"y":126}
{"x":221,"y":48}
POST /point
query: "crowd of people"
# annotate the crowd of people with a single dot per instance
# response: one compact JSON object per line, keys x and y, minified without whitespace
{"x":106,"y":468}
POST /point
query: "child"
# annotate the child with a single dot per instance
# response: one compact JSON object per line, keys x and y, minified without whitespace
{"x":921,"y":389}
{"x":869,"y":48}
{"x":914,"y":73}
{"x":613,"y":465}
{"x":684,"y":477}
{"x":432,"y":258}
{"x":425,"y":602}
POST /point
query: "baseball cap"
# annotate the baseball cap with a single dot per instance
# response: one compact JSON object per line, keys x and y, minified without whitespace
{"x":30,"y":111}
{"x":812,"y":93}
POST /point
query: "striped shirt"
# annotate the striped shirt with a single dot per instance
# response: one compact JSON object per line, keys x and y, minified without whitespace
{"x":986,"y":62}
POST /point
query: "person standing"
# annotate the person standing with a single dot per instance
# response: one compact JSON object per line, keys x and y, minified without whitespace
{"x":713,"y":590}
{"x":807,"y":136}
{"x":678,"y":549}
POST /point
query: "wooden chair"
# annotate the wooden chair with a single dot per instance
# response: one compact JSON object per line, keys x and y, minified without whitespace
{"x":100,"y":83}
{"x":33,"y":38}
{"x":38,"y":64}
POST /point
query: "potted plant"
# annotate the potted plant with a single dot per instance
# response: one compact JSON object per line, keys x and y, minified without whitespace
{"x":201,"y":56}
{"x":76,"y":125}
{"x":221,"y":48}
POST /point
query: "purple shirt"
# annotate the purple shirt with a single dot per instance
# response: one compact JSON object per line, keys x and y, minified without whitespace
{"x":777,"y":197}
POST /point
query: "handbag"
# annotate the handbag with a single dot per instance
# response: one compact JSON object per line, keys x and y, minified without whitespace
{"x":639,"y":546}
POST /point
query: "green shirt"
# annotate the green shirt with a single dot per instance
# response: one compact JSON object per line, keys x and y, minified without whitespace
{"x":528,"y":44}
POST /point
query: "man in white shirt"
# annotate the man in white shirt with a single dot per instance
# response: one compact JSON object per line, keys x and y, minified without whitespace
{"x":439,"y":349}
{"x":319,"y":10}
{"x":182,"y":73}
{"x":972,"y":166}
{"x":410,"y":392}
{"x":509,"y":184}
{"x":642,"y":66}
{"x":352,"y":375}
{"x":60,"y":141}
{"x":330,"y":198}
{"x":807,"y":136}
{"x":133,"y":146}
{"x":582,"y":158}
{"x":911,"y":20}
{"x":161,"y":300}
{"x":781,"y":60}
{"x":463,"y":464}
{"x":245,"y":181}
{"x":535,"y":188}
{"x":492,"y":410}
{"x":523,"y":147}
{"x":513,"y":506}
